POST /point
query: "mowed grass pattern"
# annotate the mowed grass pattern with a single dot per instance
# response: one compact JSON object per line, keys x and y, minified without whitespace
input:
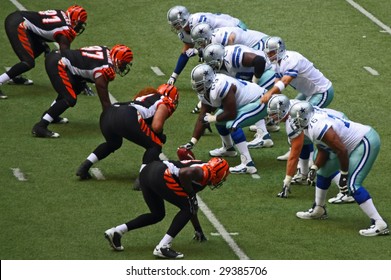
{"x":53,"y":215}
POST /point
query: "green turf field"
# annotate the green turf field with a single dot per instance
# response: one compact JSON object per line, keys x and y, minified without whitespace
{"x":55,"y":216}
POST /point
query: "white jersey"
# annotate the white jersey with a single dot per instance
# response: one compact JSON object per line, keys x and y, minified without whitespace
{"x":233,"y":62}
{"x":308,"y":80}
{"x":185,"y":37}
{"x":250,"y":38}
{"x":246,"y":92}
{"x":214,"y":20}
{"x":290,"y":131}
{"x":350,"y":133}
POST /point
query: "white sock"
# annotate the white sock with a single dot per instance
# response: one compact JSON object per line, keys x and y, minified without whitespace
{"x":93,"y":158}
{"x":320,"y":196}
{"x":167,"y":239}
{"x":243,"y":150}
{"x":369,"y":208}
{"x":303,"y":165}
{"x":227,"y":141}
{"x":48,"y":118}
{"x":4,"y":78}
{"x":122,"y":229}
{"x":261,"y":124}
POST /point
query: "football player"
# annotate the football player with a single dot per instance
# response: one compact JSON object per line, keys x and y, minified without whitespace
{"x":140,"y":121}
{"x":243,"y":62}
{"x":176,"y":182}
{"x":29,"y":32}
{"x":181,"y":22}
{"x":294,"y":69}
{"x":69,"y":70}
{"x":345,"y":146}
{"x":278,"y":109}
{"x":238,"y":107}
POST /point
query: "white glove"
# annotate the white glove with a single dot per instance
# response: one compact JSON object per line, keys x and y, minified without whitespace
{"x":286,"y":187}
{"x":209,"y":118}
{"x":171,"y":80}
{"x":255,"y":80}
{"x":191,"y":52}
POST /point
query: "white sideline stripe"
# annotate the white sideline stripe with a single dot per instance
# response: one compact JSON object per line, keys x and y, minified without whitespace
{"x":371,"y":70}
{"x":18,"y":5}
{"x":218,"y":234}
{"x":18,"y":174}
{"x":157,"y":71}
{"x":370,"y":16}
{"x":97,"y":173}
{"x":220,"y":228}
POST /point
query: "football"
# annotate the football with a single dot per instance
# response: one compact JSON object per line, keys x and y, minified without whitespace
{"x":185,"y":154}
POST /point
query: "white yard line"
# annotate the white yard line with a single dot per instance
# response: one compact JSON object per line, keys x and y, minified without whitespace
{"x":18,"y":5}
{"x":19,"y":174}
{"x":371,"y":70}
{"x":221,"y":230}
{"x":157,"y":71}
{"x":370,"y":16}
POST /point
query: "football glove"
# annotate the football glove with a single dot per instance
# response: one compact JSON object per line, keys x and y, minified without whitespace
{"x":199,"y":236}
{"x":285,"y":188}
{"x":193,"y":204}
{"x":209,"y":118}
{"x":312,"y":175}
{"x":172,"y":79}
{"x":343,"y":183}
{"x":191,"y":52}
{"x":188,"y":145}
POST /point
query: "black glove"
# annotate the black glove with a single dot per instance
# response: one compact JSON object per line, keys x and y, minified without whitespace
{"x":46,"y":48}
{"x":193,"y":204}
{"x":162,"y":137}
{"x":343,"y":183}
{"x":188,"y":145}
{"x":312,"y":175}
{"x":199,"y":236}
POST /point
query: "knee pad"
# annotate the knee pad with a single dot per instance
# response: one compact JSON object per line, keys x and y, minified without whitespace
{"x":222,"y":130}
{"x":361,"y":195}
{"x":306,"y":151}
{"x":238,"y":136}
{"x":323,"y":182}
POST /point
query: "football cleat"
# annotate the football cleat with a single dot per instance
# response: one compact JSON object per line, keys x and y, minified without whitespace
{"x":260,"y":141}
{"x":166,"y":252}
{"x":114,"y":238}
{"x":20,"y":80}
{"x":40,"y":131}
{"x":378,"y":227}
{"x":242,"y":168}
{"x":272,"y":128}
{"x":341,"y":198}
{"x":2,"y":95}
{"x":299,"y":178}
{"x":60,"y":120}
{"x":285,"y":156}
{"x":82,"y":171}
{"x":223,"y":152}
{"x":317,"y":212}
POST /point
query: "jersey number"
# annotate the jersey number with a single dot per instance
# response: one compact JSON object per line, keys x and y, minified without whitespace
{"x":51,"y":16}
{"x":94,"y":52}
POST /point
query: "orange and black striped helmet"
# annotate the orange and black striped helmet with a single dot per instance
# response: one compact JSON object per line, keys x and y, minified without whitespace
{"x":169,"y":91}
{"x":78,"y":17}
{"x":219,"y":170}
{"x":122,"y":58}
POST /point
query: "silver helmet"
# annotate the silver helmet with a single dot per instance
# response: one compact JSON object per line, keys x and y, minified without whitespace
{"x":301,"y":113}
{"x":213,"y":55}
{"x":202,"y":77}
{"x":178,"y":17}
{"x":274,"y":49}
{"x":201,"y":35}
{"x":278,"y":107}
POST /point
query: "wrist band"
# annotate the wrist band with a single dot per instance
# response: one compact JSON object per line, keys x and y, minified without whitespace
{"x":280,"y":85}
{"x":193,"y":140}
{"x":344,"y":172}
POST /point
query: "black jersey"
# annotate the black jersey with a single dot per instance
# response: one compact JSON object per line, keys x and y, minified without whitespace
{"x":49,"y":24}
{"x":89,"y":63}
